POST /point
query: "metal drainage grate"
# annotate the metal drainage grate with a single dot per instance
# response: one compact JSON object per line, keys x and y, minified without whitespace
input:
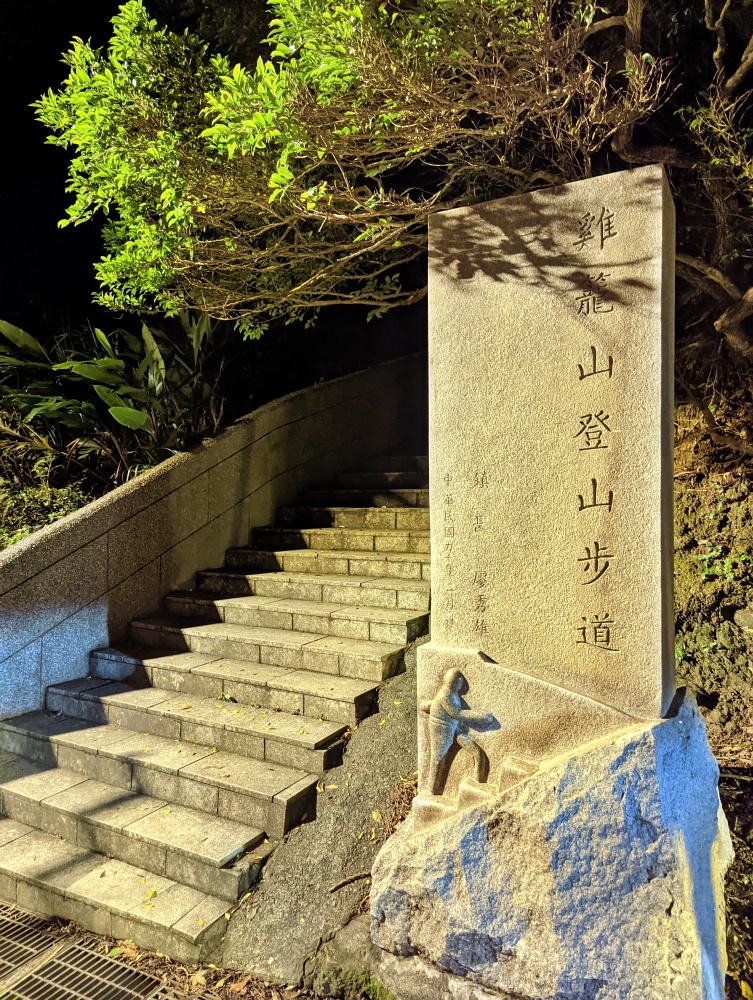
{"x":77,"y":973}
{"x":22,"y":937}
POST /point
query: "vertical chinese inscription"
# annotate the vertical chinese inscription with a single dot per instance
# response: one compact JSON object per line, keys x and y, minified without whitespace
{"x":594,"y":433}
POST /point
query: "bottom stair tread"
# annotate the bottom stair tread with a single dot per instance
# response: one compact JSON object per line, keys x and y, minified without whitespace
{"x":137,"y":900}
{"x":211,"y":839}
{"x":215,"y":855}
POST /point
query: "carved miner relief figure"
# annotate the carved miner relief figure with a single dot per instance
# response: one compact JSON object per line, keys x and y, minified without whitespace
{"x":449,"y":720}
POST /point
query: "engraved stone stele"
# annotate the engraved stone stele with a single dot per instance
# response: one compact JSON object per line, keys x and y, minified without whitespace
{"x":551,"y":333}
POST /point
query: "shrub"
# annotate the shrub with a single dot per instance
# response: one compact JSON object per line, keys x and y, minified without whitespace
{"x":126,"y":403}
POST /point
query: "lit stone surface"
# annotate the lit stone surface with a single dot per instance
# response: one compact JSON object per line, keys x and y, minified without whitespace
{"x":599,"y":878}
{"x":564,"y":844}
{"x":551,"y":324}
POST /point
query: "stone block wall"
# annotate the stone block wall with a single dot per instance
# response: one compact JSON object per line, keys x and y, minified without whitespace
{"x":76,"y":584}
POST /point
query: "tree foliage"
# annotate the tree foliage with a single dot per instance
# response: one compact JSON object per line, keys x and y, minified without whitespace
{"x":262,"y":193}
{"x":109,"y":408}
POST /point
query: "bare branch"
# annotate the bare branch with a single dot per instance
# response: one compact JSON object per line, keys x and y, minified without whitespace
{"x":716,"y":24}
{"x":712,"y":273}
{"x":735,"y":82}
{"x":608,"y":22}
{"x":730,"y":323}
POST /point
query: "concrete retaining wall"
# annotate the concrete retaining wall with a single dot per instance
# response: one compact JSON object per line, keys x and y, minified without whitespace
{"x":76,"y":584}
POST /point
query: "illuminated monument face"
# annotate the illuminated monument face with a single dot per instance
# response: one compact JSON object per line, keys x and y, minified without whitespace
{"x":551,"y":655}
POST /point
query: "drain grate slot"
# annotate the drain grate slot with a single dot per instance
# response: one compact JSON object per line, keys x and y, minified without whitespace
{"x":78,"y":973}
{"x":22,"y":937}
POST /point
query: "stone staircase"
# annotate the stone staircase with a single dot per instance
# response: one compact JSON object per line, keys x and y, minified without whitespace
{"x":144,"y":800}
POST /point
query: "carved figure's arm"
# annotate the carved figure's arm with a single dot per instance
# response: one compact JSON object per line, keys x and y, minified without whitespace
{"x":469,"y":718}
{"x":425,"y":707}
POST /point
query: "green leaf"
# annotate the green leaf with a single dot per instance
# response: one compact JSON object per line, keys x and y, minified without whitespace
{"x":115,"y":952}
{"x":92,"y":370}
{"x":135,"y":419}
{"x":108,"y":396}
{"x":104,"y":341}
{"x":156,"y":361}
{"x":23,"y":340}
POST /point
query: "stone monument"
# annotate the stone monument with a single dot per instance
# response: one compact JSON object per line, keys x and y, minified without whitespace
{"x":567,"y":839}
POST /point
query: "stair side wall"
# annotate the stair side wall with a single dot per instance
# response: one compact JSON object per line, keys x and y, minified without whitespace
{"x":75,"y":585}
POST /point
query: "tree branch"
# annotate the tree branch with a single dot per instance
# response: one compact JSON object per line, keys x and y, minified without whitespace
{"x":746,"y":65}
{"x":712,"y":273}
{"x":608,"y":22}
{"x":716,"y":24}
{"x":623,"y":145}
{"x":730,"y":323}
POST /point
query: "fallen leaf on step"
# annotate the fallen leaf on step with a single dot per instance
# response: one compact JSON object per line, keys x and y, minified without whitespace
{"x":397,"y":703}
{"x":103,"y":874}
{"x":148,"y":906}
{"x":333,"y":786}
{"x":166,"y":812}
{"x":201,"y":922}
{"x":377,"y":817}
{"x":151,"y":894}
{"x":240,"y":985}
{"x":198,"y":978}
{"x":184,"y":707}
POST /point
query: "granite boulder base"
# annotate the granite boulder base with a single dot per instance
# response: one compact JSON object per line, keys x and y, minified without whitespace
{"x":598,"y":878}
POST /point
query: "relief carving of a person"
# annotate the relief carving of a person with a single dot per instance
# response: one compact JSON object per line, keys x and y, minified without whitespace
{"x":448,"y":722}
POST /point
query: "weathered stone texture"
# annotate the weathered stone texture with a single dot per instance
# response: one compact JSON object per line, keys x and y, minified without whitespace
{"x":598,"y":878}
{"x":550,"y":350}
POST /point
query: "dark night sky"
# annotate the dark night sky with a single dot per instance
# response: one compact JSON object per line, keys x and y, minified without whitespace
{"x":46,"y":273}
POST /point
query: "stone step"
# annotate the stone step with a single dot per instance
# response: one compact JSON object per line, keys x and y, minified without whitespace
{"x":379,"y":518}
{"x":390,"y":479}
{"x":210,"y":854}
{"x":326,"y":654}
{"x":341,"y":539}
{"x":258,"y":793}
{"x":393,"y":625}
{"x":381,"y":592}
{"x":42,"y":873}
{"x":333,"y":497}
{"x":397,"y":463}
{"x":271,"y":735}
{"x":320,"y":696}
{"x":405,"y":565}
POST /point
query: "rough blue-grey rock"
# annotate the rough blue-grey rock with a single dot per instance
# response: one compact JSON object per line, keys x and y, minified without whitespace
{"x":598,"y":878}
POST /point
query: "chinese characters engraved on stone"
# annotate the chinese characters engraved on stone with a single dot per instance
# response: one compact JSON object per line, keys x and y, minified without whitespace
{"x":594,"y":432}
